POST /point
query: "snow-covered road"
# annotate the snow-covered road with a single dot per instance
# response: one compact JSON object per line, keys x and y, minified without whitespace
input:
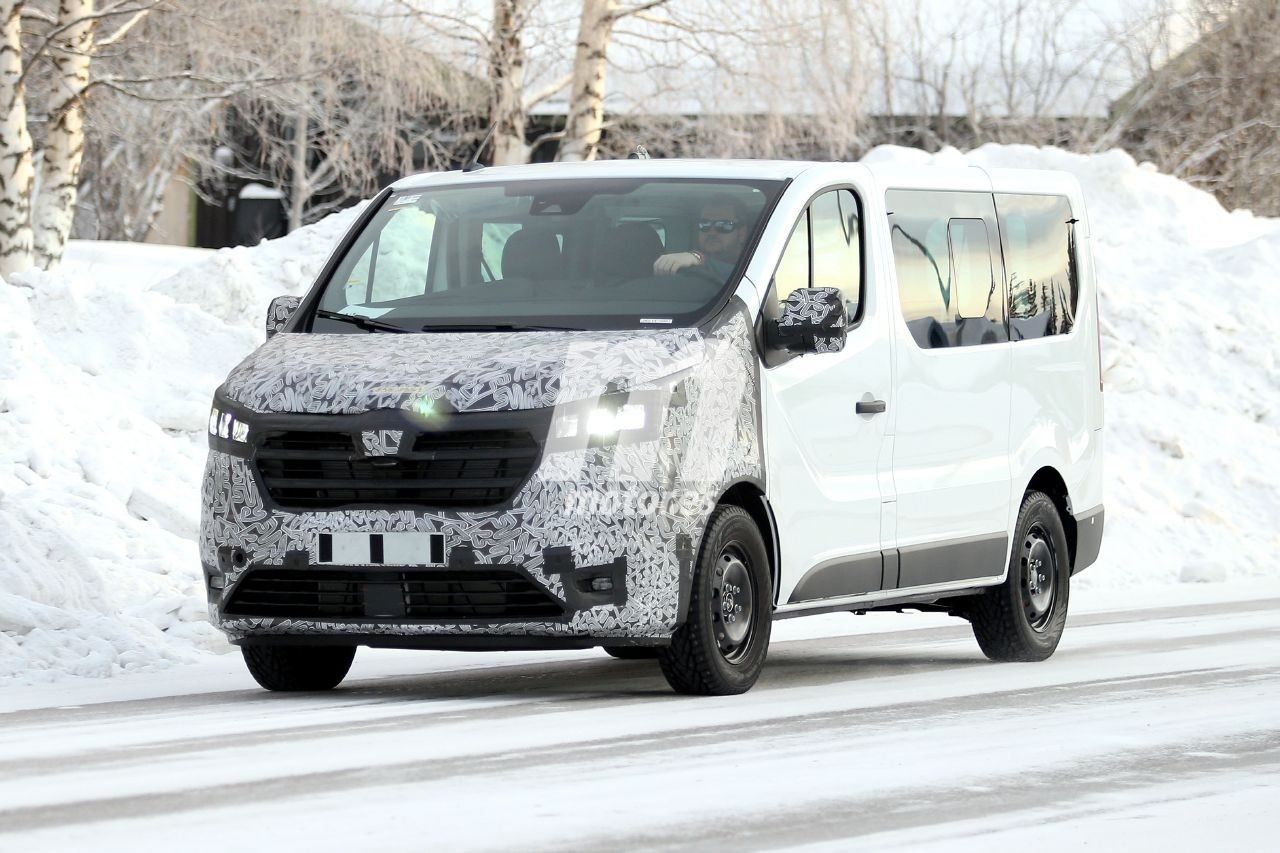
{"x":1149,"y":727}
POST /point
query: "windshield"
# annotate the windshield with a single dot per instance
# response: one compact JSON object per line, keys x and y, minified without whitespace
{"x":545,"y":254}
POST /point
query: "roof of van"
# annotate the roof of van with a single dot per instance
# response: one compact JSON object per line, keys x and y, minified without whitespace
{"x":887,"y":175}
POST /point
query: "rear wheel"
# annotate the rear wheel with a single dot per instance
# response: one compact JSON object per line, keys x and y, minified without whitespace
{"x":1023,"y":618}
{"x":298,"y":668}
{"x":721,"y":647}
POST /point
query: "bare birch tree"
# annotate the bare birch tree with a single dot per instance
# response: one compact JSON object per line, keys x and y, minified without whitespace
{"x":17,"y":173}
{"x":70,"y":51}
{"x":66,"y":44}
{"x":507,"y":110}
{"x":499,"y":50}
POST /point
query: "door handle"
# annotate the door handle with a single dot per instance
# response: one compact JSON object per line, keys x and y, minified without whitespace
{"x":870,"y":407}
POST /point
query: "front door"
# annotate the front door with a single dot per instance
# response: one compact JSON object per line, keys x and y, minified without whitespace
{"x":823,"y":459}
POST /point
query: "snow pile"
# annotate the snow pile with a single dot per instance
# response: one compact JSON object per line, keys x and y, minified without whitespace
{"x":237,"y":284}
{"x":105,"y":381}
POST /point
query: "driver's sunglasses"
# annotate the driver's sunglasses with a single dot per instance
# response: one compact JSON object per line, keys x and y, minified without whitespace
{"x":724,"y":226}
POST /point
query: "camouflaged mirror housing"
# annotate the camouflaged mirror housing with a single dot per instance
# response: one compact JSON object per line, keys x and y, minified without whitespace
{"x":814,"y":319}
{"x":279,"y":312}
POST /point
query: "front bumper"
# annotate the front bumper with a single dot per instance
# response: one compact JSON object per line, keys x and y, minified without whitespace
{"x":561,"y":532}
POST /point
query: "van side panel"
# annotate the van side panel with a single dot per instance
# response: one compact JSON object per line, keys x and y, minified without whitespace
{"x":1056,"y":411}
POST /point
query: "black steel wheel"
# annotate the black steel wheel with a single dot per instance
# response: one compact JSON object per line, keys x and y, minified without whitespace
{"x":1023,"y":618}
{"x":721,"y":647}
{"x":298,"y":668}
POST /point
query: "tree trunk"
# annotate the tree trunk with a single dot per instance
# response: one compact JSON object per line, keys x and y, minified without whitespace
{"x":506,"y":70}
{"x":63,"y":149}
{"x":586,"y":92}
{"x":17,"y":175}
{"x":299,"y":186}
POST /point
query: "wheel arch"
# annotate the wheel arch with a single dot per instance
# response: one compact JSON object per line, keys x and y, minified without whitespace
{"x":1049,"y":480}
{"x":748,"y":494}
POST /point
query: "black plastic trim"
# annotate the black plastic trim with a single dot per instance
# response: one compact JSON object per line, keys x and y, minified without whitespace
{"x":447,"y":642}
{"x":1089,"y":526}
{"x":852,"y":575}
{"x":887,"y":603}
{"x":903,"y":568}
{"x":955,"y":560}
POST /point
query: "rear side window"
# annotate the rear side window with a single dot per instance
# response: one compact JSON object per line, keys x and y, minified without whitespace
{"x":950,"y":277}
{"x":1038,"y":233}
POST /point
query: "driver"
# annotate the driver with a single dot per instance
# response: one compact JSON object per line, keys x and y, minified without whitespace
{"x":722,"y":229}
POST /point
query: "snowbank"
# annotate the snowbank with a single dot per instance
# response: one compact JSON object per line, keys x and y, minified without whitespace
{"x":106,"y":374}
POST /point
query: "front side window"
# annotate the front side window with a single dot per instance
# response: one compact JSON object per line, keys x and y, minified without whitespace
{"x":825,"y":250}
{"x":576,"y":253}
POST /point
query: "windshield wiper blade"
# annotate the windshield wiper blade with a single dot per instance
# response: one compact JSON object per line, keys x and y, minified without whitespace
{"x":496,"y":327}
{"x":363,"y":322}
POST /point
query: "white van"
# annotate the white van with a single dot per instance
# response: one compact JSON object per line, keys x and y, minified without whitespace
{"x":655,"y":405}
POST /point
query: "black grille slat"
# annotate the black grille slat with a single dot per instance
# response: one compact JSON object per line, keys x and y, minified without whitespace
{"x":456,"y":468}
{"x":427,"y":594}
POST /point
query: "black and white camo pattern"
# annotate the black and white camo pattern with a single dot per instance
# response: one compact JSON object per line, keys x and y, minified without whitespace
{"x":632,"y":500}
{"x":279,"y":312}
{"x":820,"y":312}
{"x":472,"y":372}
{"x":381,"y":442}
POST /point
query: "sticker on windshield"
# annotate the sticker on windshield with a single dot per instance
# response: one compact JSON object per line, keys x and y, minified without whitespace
{"x":665,"y":321}
{"x":405,"y":199}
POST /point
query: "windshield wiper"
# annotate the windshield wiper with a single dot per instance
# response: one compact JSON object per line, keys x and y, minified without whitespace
{"x":363,"y":322}
{"x":495,"y":327}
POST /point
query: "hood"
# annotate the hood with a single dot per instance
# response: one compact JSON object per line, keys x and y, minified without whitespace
{"x":473,"y":372}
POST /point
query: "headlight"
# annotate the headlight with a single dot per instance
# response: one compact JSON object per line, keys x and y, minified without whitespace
{"x":604,"y":421}
{"x":224,"y":425}
{"x":612,"y":419}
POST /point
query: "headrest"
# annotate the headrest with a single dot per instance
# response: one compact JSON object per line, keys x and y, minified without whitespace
{"x":532,"y":254}
{"x":630,"y":250}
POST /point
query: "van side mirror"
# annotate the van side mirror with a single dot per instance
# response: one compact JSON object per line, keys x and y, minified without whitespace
{"x":813,"y":319}
{"x":279,"y":312}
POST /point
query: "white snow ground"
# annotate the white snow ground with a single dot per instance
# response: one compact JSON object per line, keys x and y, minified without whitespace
{"x":1149,"y":729}
{"x":107,"y":367}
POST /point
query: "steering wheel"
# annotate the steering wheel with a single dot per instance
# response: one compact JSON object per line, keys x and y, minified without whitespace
{"x":701,"y":272}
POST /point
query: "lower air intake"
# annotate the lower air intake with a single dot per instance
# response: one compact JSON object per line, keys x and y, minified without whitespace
{"x":471,"y":595}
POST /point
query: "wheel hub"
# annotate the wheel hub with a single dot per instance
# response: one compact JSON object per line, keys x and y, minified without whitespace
{"x":1039,"y":573}
{"x":733,"y":605}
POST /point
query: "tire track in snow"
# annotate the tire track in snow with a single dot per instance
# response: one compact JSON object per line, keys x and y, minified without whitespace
{"x":826,"y":727}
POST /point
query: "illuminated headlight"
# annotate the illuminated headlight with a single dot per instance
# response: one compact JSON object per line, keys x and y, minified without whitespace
{"x":612,"y":418}
{"x":225,"y":425}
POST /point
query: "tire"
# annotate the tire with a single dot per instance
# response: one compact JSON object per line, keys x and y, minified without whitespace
{"x":632,"y":652}
{"x":1022,"y":619}
{"x":298,"y":668}
{"x":721,"y":647}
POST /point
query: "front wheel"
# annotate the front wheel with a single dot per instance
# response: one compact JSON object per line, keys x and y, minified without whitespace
{"x":298,"y":668}
{"x":721,"y":647}
{"x":1023,"y":618}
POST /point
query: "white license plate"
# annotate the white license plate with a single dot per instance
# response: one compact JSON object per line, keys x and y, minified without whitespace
{"x":407,"y":548}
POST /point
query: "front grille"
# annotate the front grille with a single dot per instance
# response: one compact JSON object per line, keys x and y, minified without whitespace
{"x":463,"y":469}
{"x":470,"y":595}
